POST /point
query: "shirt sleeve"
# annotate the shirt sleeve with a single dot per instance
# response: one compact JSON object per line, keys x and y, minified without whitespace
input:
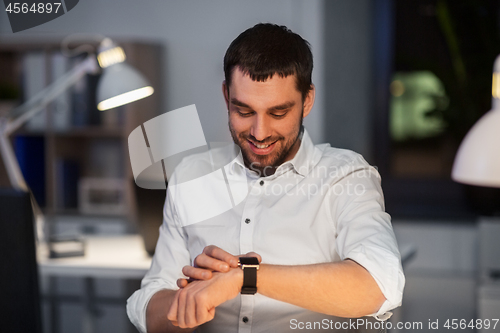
{"x":364,"y":233}
{"x":170,"y":256}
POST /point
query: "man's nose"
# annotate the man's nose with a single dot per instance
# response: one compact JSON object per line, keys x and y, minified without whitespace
{"x":260,"y":129}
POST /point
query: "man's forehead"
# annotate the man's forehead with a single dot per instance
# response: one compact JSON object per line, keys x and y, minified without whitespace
{"x":242,"y":81}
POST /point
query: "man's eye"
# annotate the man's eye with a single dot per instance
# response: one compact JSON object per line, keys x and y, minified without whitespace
{"x":278,"y":115}
{"x":244,"y":113}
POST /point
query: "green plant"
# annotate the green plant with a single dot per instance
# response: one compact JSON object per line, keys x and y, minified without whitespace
{"x":471,"y":31}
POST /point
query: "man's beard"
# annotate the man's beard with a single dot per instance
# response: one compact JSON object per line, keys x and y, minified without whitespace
{"x":264,"y":165}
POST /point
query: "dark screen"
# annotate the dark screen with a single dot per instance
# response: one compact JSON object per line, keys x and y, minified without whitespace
{"x":19,"y":300}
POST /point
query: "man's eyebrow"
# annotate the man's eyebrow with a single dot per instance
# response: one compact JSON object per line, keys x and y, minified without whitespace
{"x":279,"y":107}
{"x":239,"y":103}
{"x":282,"y":107}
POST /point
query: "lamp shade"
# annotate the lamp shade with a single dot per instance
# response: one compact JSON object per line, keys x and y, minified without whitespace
{"x":478,"y":159}
{"x":121,"y":84}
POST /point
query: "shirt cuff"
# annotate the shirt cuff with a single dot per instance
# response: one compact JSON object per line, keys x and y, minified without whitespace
{"x":137,"y":305}
{"x":385,"y":267}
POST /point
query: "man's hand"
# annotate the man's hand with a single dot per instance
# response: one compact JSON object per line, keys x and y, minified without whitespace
{"x":195,"y":304}
{"x":215,"y":278}
{"x":212,"y":259}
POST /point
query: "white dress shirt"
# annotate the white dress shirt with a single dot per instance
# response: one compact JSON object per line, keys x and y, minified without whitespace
{"x":324,"y":205}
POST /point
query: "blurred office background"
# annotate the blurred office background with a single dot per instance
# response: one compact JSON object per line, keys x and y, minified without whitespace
{"x":400,"y":82}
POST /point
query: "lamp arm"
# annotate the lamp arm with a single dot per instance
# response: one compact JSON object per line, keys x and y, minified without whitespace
{"x":21,"y":114}
{"x":11,"y":165}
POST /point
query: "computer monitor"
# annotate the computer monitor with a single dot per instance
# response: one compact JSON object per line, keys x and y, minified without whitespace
{"x":19,"y":290}
{"x":150,"y":215}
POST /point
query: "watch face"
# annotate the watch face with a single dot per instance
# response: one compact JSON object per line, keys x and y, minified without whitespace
{"x":249,"y":261}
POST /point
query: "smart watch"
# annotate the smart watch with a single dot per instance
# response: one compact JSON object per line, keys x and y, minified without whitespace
{"x":250,"y":266}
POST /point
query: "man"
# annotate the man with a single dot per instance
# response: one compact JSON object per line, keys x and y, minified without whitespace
{"x":314,"y":217}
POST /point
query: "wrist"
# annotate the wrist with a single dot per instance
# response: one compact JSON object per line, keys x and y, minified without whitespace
{"x":259,"y":275}
{"x":237,"y":277}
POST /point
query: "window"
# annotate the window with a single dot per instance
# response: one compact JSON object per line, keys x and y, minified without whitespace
{"x":433,"y":69}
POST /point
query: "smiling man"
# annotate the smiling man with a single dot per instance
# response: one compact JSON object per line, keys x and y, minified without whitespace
{"x":318,"y":246}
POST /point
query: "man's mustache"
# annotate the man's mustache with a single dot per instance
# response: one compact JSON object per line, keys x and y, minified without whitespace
{"x":267,"y":141}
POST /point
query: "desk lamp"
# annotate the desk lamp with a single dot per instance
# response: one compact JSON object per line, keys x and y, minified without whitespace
{"x":478,"y":163}
{"x":478,"y":159}
{"x":119,"y":84}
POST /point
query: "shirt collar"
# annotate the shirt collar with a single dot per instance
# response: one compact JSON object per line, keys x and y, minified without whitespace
{"x":304,"y":160}
{"x":306,"y":157}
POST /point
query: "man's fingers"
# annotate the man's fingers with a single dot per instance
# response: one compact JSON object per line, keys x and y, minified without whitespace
{"x":253,"y":254}
{"x":218,"y":253}
{"x":172,"y":312}
{"x":211,"y":314}
{"x":197,"y":273}
{"x":182,"y":283}
{"x":181,"y":309}
{"x":214,"y":264}
{"x":190,"y":313}
{"x":202,"y":315}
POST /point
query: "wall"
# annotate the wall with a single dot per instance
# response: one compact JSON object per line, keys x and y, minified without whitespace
{"x":348,"y":67}
{"x":195,"y":35}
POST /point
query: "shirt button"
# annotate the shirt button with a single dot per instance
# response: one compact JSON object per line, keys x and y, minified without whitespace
{"x":261,"y":183}
{"x":247,"y":221}
{"x":245,"y":319}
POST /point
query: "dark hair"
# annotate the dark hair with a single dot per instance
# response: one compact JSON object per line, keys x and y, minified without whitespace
{"x":267,"y":49}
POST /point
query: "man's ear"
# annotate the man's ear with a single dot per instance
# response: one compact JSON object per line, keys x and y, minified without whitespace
{"x":225,"y":92}
{"x":309,"y":101}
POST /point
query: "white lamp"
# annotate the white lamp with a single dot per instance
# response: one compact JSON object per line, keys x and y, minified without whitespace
{"x":478,"y":163}
{"x":478,"y":159}
{"x":120,"y":84}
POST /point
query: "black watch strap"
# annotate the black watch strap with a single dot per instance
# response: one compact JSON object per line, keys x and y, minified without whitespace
{"x":249,"y":265}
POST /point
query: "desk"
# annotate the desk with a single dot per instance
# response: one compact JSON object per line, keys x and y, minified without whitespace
{"x":105,"y":257}
{"x":121,"y":257}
